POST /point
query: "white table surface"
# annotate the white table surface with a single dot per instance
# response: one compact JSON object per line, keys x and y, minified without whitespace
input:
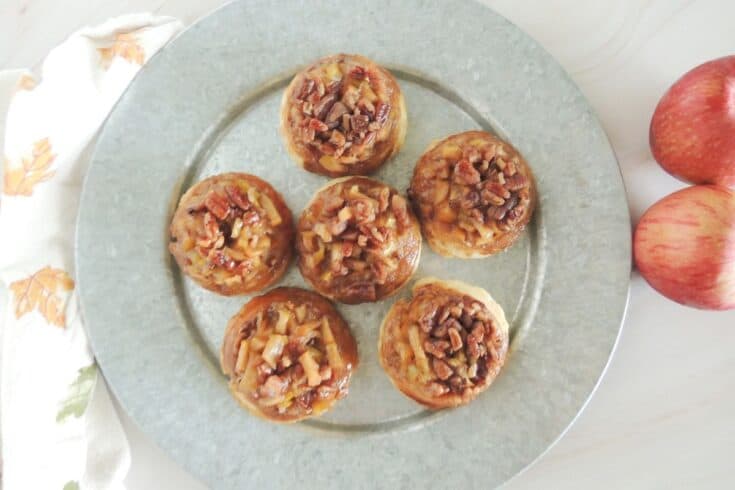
{"x":664,"y":415}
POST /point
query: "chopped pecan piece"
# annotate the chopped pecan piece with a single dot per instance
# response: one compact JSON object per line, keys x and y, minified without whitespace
{"x":358,"y":73}
{"x":436,"y":348}
{"x":442,"y":369}
{"x":318,"y":125}
{"x":336,"y":112}
{"x":305,"y":400}
{"x":381,"y":112}
{"x":473,"y":348}
{"x":238,"y":197}
{"x":307,"y":86}
{"x":516,"y":182}
{"x":472,"y":154}
{"x":335,"y":87}
{"x":437,"y":389}
{"x":455,"y":339}
{"x":478,"y":331}
{"x":470,"y":200}
{"x":359,"y":123}
{"x":322,"y":108}
{"x":466,"y":319}
{"x":514,"y":214}
{"x":217,"y":205}
{"x":465,"y":173}
{"x":489,"y":197}
{"x":455,"y":310}
{"x":440,"y":331}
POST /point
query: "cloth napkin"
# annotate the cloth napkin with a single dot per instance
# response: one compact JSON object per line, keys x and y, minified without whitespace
{"x":59,"y":427}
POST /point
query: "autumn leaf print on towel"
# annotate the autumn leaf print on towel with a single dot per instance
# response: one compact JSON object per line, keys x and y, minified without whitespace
{"x":41,"y":292}
{"x":20,"y":180}
{"x":125,"y":46}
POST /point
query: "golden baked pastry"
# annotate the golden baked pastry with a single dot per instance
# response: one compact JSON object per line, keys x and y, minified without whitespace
{"x":473,"y":194}
{"x":357,"y":240}
{"x":343,"y":115}
{"x":289,"y":355}
{"x":445,"y":345}
{"x":232,"y":233}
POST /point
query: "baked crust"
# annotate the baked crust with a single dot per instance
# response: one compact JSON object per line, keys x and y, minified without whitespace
{"x":289,"y":355}
{"x":343,"y":115}
{"x":445,"y":345}
{"x":357,"y":240}
{"x":232,"y":233}
{"x":473,"y":193}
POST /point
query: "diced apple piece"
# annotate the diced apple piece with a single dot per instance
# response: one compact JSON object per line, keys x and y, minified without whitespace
{"x":282,"y":324}
{"x":327,"y":331}
{"x":330,"y":163}
{"x":333,"y":71}
{"x":242,"y":356}
{"x":270,"y":210}
{"x":300,"y":313}
{"x":304,"y":329}
{"x":273,"y":349}
{"x":441,"y":191}
{"x":418,"y":351}
{"x":311,"y":368}
{"x":445,"y":213}
{"x":333,"y":356}
{"x":451,"y":152}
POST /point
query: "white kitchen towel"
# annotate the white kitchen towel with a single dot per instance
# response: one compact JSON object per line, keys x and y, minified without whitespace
{"x":59,"y":427}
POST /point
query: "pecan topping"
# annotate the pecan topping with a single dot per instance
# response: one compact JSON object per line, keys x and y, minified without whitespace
{"x":455,"y":339}
{"x":235,"y":215}
{"x":237,"y":197}
{"x":336,"y":112}
{"x":442,"y":369}
{"x":358,"y":73}
{"x":217,"y":205}
{"x":322,"y":108}
{"x":307,"y":86}
{"x":357,"y":230}
{"x":467,"y":190}
{"x":436,"y":348}
{"x":293,"y":350}
{"x":516,"y":182}
{"x":382,"y":112}
{"x":359,"y":123}
{"x":465,"y":173}
{"x":346,"y":100}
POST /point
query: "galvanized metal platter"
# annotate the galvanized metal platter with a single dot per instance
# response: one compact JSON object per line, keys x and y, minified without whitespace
{"x":208,"y":103}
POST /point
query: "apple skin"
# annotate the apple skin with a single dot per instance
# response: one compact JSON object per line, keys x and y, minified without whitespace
{"x":684,"y":246}
{"x":692,"y":134}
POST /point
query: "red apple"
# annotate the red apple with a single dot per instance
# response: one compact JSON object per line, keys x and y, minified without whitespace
{"x":684,"y":246}
{"x":692,"y":131}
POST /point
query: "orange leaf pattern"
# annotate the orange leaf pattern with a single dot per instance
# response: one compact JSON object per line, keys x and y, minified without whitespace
{"x":20,"y":180}
{"x":26,"y":82}
{"x":125,"y":46}
{"x":41,"y":292}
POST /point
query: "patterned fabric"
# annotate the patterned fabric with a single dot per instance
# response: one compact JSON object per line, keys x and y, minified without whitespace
{"x":59,"y":428}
